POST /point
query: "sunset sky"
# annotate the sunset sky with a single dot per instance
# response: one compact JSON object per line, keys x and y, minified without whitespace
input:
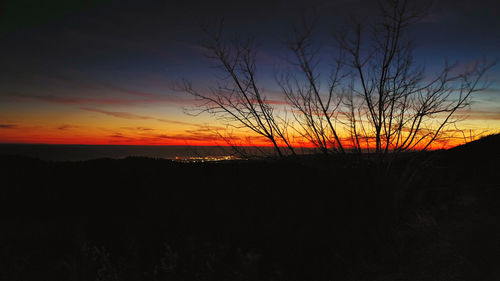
{"x":102,"y":72}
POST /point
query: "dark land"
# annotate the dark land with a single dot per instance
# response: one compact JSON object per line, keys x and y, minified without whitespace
{"x":418,"y":216}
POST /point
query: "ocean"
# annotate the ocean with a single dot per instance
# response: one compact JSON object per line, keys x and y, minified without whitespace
{"x":52,"y":152}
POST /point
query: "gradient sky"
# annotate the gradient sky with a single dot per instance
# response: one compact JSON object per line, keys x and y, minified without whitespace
{"x":101,"y":72}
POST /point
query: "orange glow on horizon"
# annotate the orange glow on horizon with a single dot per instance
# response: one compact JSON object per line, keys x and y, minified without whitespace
{"x":118,"y":127}
{"x":157,"y":141}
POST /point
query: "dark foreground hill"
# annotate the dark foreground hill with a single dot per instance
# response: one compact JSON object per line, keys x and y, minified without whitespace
{"x":420,"y":216}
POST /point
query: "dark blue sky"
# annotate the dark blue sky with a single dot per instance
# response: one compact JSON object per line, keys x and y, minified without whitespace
{"x":119,"y":41}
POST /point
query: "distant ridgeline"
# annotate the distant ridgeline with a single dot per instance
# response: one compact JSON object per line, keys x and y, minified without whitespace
{"x":89,"y":152}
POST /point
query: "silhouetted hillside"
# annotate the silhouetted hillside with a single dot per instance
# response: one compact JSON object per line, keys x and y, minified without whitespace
{"x":488,"y":145}
{"x":420,"y":216}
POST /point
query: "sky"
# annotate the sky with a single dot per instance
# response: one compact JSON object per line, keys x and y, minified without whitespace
{"x":104,"y":72}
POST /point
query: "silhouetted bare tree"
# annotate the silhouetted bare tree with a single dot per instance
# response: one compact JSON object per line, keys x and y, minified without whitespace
{"x":315,"y":112}
{"x":377,"y":98}
{"x":237,"y":99}
{"x":393,"y":105}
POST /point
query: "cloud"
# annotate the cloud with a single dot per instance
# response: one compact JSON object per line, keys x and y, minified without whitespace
{"x":137,"y":128}
{"x":106,"y":41}
{"x":433,"y":18}
{"x":8,"y":126}
{"x":479,"y":115}
{"x":188,"y":137}
{"x":127,"y":91}
{"x":83,"y":100}
{"x":491,"y":90}
{"x":117,"y":135}
{"x":210,"y":136}
{"x":127,"y":115}
{"x":65,"y":127}
{"x":119,"y":138}
{"x":276,"y":102}
{"x":93,"y":85}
